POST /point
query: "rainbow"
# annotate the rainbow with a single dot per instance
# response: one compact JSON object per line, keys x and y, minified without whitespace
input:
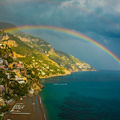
{"x":66,"y":31}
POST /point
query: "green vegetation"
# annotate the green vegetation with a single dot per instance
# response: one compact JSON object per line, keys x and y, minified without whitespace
{"x":4,"y":109}
{"x":19,"y":89}
{"x":2,"y":74}
{"x":25,"y":59}
{"x":6,"y":54}
{"x":41,"y":58}
{"x":1,"y":117}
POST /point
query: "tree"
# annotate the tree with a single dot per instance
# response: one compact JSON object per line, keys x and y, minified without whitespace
{"x":4,"y":81}
{"x":14,"y":85}
{"x":4,"y":109}
{"x":19,"y":89}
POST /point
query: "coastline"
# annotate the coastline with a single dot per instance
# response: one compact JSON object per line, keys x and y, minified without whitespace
{"x":65,"y":74}
{"x":42,"y":103}
{"x":56,"y":75}
{"x":42,"y":107}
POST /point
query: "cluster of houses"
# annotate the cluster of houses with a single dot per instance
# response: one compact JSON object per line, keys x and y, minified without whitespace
{"x":15,"y":72}
{"x":2,"y":46}
{"x":84,"y":66}
{"x":2,"y":103}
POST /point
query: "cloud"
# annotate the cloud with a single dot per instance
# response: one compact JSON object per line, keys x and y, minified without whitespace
{"x":95,"y":4}
{"x":82,"y":15}
{"x":98,"y":20}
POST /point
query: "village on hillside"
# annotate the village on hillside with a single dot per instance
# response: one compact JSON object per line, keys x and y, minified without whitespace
{"x":15,"y":81}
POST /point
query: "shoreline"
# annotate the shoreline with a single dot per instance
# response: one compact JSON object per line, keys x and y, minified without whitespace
{"x":66,"y":74}
{"x":56,"y":76}
{"x":40,"y":100}
{"x":42,"y":106}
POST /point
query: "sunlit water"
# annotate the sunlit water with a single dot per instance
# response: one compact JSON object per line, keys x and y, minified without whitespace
{"x":83,"y":96}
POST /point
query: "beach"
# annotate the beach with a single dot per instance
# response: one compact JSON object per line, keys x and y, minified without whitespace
{"x":26,"y":108}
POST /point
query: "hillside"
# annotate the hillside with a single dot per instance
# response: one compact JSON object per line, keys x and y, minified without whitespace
{"x":39,"y":56}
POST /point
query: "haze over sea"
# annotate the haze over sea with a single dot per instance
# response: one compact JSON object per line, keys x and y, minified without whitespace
{"x":83,"y":96}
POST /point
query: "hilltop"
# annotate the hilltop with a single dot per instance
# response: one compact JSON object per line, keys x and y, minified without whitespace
{"x":38,"y":55}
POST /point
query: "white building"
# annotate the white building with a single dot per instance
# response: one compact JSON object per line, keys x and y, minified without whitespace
{"x":21,"y":81}
{"x":1,"y":61}
{"x":8,"y":75}
{"x":43,"y":73}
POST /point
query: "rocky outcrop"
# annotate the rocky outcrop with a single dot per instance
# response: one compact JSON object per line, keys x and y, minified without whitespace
{"x":37,"y":87}
{"x":18,"y":55}
{"x":10,"y":43}
{"x":24,"y":39}
{"x":5,"y":37}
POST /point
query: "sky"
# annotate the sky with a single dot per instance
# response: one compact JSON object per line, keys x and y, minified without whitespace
{"x":99,"y":20}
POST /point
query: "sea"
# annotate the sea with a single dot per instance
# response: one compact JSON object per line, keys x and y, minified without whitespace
{"x":92,"y":95}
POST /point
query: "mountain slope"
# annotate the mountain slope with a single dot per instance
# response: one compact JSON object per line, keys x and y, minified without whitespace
{"x":39,"y":55}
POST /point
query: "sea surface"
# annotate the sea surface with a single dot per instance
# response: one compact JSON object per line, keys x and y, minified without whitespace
{"x":91,"y":95}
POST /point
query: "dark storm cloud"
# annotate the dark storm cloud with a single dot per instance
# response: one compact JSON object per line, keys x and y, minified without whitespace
{"x":96,"y":19}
